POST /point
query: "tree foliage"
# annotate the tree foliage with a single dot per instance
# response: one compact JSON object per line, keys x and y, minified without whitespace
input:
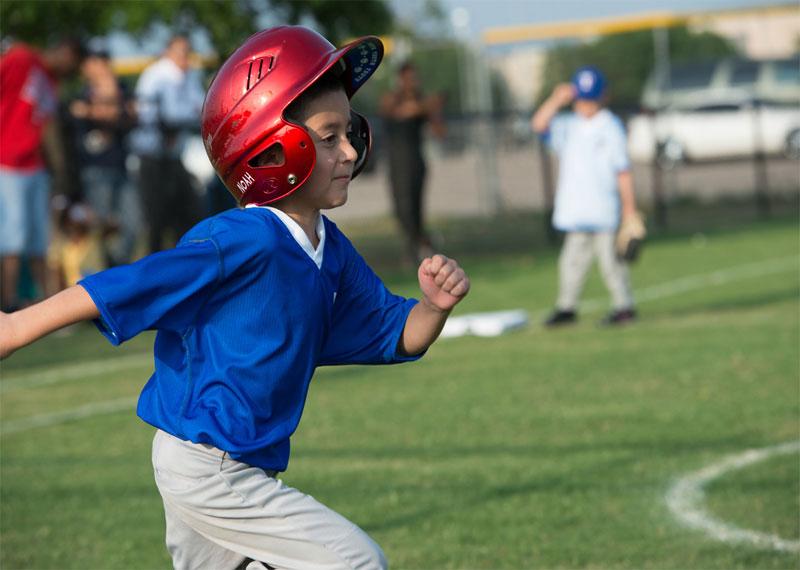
{"x":227,"y":22}
{"x":443,"y":66}
{"x":627,"y":59}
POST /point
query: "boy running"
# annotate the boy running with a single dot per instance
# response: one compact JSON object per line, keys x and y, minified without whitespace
{"x":250,"y":302}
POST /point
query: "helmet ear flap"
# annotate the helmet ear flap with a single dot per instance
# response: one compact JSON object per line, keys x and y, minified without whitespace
{"x":277,"y":167}
{"x":360,"y":137}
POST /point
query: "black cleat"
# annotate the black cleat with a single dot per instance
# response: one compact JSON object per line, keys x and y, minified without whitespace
{"x":619,"y":317}
{"x":559,"y":317}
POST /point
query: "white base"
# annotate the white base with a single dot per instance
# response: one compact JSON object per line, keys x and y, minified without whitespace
{"x":485,"y":324}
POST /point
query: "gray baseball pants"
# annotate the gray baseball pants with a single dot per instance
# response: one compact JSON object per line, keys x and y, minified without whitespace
{"x":574,"y":263}
{"x":221,"y":512}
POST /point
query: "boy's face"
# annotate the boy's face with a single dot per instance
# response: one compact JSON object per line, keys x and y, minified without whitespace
{"x":587,"y":107}
{"x":328,"y":123}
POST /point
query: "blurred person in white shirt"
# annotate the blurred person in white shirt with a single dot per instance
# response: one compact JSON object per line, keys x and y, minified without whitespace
{"x":169,"y":100}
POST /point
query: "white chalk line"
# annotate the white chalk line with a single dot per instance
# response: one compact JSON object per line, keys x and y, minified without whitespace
{"x":82,"y":412}
{"x":685,"y":500}
{"x":81,"y":370}
{"x":702,"y":280}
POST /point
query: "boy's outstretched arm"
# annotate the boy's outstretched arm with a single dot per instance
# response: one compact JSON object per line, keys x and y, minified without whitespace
{"x":23,"y":327}
{"x":443,"y":284}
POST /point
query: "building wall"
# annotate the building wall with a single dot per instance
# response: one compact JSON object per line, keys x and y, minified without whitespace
{"x":522,"y":70}
{"x":770,"y":34}
{"x":766,"y":33}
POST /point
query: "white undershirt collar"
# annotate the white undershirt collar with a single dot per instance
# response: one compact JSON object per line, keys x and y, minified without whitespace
{"x":299,"y":235}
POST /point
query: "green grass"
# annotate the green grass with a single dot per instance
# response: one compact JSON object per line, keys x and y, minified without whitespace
{"x":539,"y":449}
{"x":751,"y":498}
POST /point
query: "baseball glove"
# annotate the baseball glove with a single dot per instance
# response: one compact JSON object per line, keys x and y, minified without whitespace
{"x":630,"y":236}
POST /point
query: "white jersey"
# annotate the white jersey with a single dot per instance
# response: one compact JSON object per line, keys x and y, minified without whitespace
{"x":592,"y":152}
{"x":166,"y":95}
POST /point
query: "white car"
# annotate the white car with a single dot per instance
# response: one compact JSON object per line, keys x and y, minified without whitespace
{"x":715,"y":131}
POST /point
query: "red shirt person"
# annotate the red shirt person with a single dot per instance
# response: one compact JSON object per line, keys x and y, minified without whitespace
{"x":28,"y":103}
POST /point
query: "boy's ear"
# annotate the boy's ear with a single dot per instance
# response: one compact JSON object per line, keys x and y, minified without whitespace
{"x":271,"y":156}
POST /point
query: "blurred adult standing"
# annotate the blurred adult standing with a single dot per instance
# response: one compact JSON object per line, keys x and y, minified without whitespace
{"x":169,"y":99}
{"x":29,"y":131}
{"x":406,"y":112}
{"x":102,"y":119}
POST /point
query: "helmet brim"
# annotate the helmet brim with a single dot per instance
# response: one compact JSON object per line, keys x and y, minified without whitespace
{"x":361,"y":58}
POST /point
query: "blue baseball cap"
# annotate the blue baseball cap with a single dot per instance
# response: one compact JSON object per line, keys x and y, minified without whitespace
{"x":589,"y":83}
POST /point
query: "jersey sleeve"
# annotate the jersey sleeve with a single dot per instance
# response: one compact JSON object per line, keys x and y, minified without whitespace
{"x":367,"y":319}
{"x":164,"y":290}
{"x":555,"y":137}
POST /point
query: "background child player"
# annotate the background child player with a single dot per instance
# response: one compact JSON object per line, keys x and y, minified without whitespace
{"x":594,"y":186}
{"x":250,"y":302}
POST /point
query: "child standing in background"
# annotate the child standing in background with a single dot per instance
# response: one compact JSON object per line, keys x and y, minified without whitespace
{"x":595,"y":190}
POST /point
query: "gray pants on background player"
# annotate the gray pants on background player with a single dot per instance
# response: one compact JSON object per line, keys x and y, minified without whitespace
{"x":575,"y":261}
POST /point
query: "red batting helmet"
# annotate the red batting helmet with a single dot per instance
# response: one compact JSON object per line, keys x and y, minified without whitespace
{"x":243,"y":114}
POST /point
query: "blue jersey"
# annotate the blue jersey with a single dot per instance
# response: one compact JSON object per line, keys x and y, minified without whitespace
{"x":244,"y":316}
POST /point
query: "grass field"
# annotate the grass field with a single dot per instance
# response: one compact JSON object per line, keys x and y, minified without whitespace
{"x":539,"y":449}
